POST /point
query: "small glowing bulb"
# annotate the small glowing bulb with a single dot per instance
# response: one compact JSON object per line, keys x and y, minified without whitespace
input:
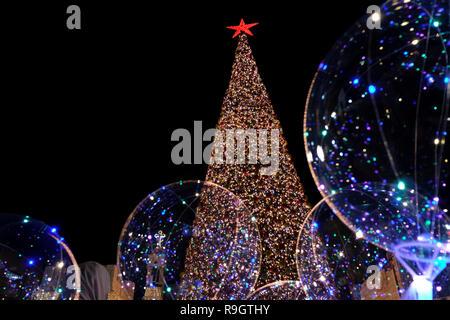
{"x":320,"y":153}
{"x":359,"y":234}
{"x":401,"y":185}
{"x":414,"y":42}
{"x":60,"y":265}
{"x":424,"y":287}
{"x":436,"y":141}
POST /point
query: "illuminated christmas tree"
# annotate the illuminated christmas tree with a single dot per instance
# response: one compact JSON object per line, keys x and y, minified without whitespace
{"x":266,"y":181}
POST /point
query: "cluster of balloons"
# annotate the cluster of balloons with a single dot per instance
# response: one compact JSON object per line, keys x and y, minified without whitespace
{"x":375,"y":132}
{"x":194,"y":221}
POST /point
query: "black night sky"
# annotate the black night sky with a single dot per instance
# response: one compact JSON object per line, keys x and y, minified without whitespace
{"x":87,"y":115}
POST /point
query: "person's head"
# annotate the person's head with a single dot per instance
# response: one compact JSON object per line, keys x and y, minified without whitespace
{"x":95,"y":281}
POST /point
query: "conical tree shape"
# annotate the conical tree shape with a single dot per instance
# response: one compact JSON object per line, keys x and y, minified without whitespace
{"x":277,"y":200}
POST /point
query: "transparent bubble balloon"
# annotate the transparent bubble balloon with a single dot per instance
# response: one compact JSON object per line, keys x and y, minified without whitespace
{"x":337,"y":263}
{"x":189,"y":240}
{"x":341,"y":257}
{"x":35,"y":263}
{"x":280,"y":290}
{"x":376,"y":123}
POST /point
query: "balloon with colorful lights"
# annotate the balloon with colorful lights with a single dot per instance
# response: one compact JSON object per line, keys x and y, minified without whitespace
{"x":375,"y":133}
{"x":344,"y":266}
{"x":35,"y":263}
{"x":154,"y":255}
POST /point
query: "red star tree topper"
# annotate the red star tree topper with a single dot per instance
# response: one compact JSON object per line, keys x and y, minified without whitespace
{"x":243,"y":27}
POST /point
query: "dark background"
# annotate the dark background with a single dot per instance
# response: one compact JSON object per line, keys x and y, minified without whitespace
{"x":86,"y":115}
